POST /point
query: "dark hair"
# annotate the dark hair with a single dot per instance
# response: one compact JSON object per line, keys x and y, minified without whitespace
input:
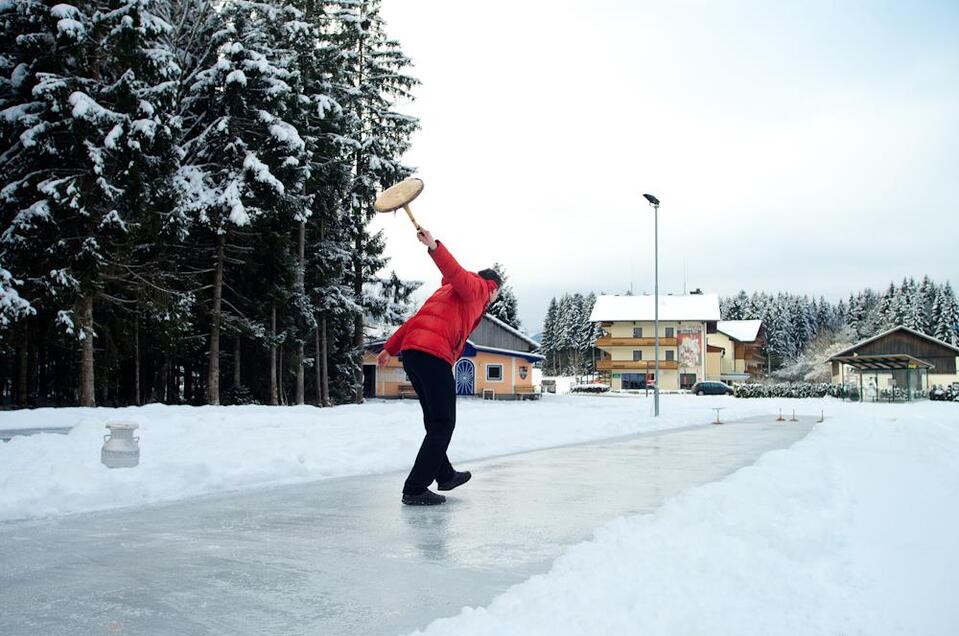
{"x":491,"y":274}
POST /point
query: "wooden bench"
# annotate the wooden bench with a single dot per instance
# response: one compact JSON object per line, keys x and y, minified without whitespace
{"x":525,"y":392}
{"x":407,"y":391}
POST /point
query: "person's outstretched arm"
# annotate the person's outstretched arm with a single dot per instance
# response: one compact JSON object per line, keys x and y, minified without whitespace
{"x":464,"y":283}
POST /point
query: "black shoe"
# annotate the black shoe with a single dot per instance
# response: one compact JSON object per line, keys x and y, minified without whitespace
{"x":459,"y":478}
{"x":425,"y":498}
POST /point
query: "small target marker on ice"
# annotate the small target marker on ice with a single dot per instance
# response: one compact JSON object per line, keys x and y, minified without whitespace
{"x":718,"y":409}
{"x":780,"y":418}
{"x":793,"y":418}
{"x":822,"y":417}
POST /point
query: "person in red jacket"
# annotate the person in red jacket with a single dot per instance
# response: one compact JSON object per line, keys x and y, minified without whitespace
{"x":430,"y":343}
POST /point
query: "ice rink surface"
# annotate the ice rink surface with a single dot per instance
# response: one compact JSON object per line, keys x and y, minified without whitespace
{"x":343,"y":556}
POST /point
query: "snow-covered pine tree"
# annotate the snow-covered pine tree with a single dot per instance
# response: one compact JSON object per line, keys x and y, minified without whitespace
{"x":564,"y":333}
{"x":783,"y":336}
{"x":928,"y":292}
{"x":243,"y":163}
{"x":946,"y":315}
{"x":825,"y":316}
{"x":588,"y":333}
{"x":574,"y":327}
{"x":840,"y":315}
{"x":888,"y":309}
{"x":13,"y":307}
{"x":909,"y":310}
{"x":57,"y":174}
{"x":505,"y":307}
{"x":736,"y":307}
{"x":323,"y":124}
{"x":370,"y":81}
{"x":547,"y":343}
{"x":141,"y":76}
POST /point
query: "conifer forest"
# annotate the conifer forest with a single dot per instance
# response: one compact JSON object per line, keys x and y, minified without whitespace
{"x":186,"y":198}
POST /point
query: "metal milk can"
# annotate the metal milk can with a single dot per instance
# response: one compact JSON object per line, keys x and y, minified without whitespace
{"x":120,"y":448}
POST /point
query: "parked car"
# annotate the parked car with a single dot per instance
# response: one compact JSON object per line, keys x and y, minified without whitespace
{"x":712,"y":388}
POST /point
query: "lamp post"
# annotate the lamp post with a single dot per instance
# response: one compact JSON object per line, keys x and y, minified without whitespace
{"x":653,"y":201}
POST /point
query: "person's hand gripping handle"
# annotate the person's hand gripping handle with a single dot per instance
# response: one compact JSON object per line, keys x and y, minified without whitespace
{"x":426,"y":238}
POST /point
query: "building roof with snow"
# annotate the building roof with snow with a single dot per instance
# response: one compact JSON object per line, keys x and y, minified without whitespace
{"x":740,"y":330}
{"x":641,"y":308}
{"x":856,"y":348}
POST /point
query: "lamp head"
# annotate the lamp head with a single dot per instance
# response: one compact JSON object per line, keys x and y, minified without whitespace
{"x":652,"y":199}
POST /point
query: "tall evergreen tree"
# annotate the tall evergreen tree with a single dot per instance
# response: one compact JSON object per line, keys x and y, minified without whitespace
{"x":946,"y":314}
{"x":928,"y":292}
{"x":371,"y":79}
{"x":548,"y":339}
{"x":59,"y":201}
{"x":245,"y":163}
{"x":505,"y":307}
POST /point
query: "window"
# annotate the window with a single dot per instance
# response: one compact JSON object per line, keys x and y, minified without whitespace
{"x":687,"y":380}
{"x":633,"y":381}
{"x":494,"y":372}
{"x":670,"y":355}
{"x":637,"y":355}
{"x":637,"y":332}
{"x":669,"y":332}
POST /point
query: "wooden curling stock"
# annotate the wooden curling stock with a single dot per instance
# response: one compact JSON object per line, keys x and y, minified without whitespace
{"x":399,"y":196}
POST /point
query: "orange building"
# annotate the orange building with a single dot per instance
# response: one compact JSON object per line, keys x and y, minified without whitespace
{"x":497,"y":363}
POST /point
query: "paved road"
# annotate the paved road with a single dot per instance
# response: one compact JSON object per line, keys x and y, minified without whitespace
{"x":343,"y":556}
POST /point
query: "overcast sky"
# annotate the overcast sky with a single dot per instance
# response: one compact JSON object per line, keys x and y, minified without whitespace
{"x":810,"y":147}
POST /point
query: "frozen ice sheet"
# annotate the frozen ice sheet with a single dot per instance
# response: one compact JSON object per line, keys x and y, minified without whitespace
{"x":343,"y":556}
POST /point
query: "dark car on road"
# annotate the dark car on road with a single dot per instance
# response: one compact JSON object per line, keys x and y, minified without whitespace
{"x":712,"y":388}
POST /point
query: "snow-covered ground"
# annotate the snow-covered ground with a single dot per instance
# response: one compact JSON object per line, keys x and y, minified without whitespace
{"x":189,"y":451}
{"x":850,"y":531}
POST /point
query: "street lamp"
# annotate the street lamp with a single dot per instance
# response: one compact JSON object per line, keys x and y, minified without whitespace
{"x":653,"y":201}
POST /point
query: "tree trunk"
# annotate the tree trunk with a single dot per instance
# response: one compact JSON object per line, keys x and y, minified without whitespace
{"x":300,"y":288}
{"x":282,"y":391}
{"x":136,"y":356}
{"x":165,"y":378}
{"x":360,"y":229}
{"x":22,"y":372}
{"x":87,"y":397}
{"x":237,"y":376}
{"x":318,"y":366}
{"x":274,"y":398}
{"x":322,"y":369}
{"x":213,"y":373}
{"x":358,"y":325}
{"x":188,"y":378}
{"x":300,"y":375}
{"x":325,"y":352}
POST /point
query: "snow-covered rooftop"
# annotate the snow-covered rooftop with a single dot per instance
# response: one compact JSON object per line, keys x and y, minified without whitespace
{"x":741,"y":330}
{"x":512,"y":330}
{"x":691,"y":307}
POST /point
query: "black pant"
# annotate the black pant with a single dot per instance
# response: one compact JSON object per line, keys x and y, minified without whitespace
{"x":432,"y":378}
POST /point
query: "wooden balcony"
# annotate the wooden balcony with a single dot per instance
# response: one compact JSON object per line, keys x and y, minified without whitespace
{"x":634,"y":365}
{"x":634,"y":342}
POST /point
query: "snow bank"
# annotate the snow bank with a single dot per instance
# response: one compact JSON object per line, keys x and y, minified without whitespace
{"x":850,"y":531}
{"x":190,"y":451}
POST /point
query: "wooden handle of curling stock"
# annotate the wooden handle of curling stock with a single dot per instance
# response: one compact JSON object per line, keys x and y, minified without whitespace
{"x":409,"y":213}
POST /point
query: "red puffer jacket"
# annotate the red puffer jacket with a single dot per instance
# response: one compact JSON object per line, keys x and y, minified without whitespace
{"x":449,"y":316}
